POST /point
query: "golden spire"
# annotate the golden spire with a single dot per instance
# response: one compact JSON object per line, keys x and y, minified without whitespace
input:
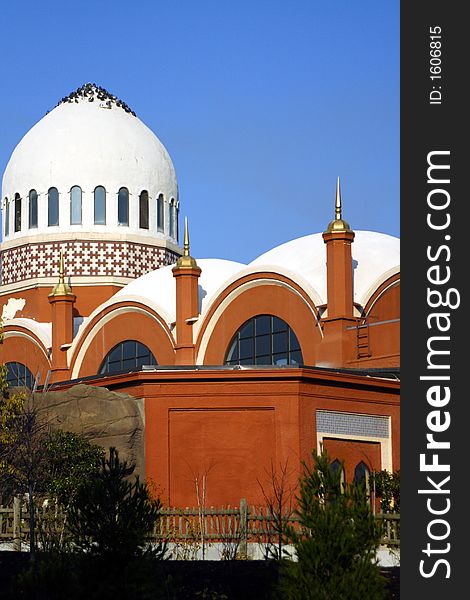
{"x":61,"y":288}
{"x":338,"y":224}
{"x":338,"y":201}
{"x":186,"y":238}
{"x":186,"y":261}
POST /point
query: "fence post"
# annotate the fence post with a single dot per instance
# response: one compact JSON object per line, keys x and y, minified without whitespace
{"x":243,"y":528}
{"x":16,"y":524}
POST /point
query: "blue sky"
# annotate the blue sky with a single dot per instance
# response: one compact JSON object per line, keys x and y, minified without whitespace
{"x":260,"y":104}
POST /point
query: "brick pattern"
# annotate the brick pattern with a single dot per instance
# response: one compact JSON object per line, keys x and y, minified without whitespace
{"x":351,"y":424}
{"x":82,"y":258}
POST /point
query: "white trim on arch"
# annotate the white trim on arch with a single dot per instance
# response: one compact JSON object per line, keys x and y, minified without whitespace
{"x":99,"y":325}
{"x":230,"y":298}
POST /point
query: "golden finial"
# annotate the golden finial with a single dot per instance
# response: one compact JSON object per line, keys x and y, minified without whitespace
{"x":62,"y":288}
{"x":338,"y":201}
{"x":338,"y":224}
{"x":186,"y":238}
{"x":186,"y":261}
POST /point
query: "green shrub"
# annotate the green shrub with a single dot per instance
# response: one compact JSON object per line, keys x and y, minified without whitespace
{"x":112,"y":515}
{"x":336,"y":546}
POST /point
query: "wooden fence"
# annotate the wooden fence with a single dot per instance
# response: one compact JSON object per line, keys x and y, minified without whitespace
{"x":199,"y":527}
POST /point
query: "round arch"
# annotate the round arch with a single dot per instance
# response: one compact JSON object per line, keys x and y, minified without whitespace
{"x":118,"y":323}
{"x":256,"y":294}
{"x":384,"y":302}
{"x":22,"y":346}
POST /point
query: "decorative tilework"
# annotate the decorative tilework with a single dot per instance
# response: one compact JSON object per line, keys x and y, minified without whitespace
{"x":352,"y":424}
{"x":82,"y":258}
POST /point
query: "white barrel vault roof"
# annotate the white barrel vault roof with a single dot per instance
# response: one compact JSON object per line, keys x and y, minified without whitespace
{"x":375,"y":257}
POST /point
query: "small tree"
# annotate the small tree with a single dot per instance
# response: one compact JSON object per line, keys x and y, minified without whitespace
{"x":112,"y":516}
{"x":71,"y":460}
{"x":41,"y":463}
{"x":11,"y":407}
{"x":387,"y":490}
{"x":22,"y":457}
{"x":279,"y":496}
{"x":336,"y":547}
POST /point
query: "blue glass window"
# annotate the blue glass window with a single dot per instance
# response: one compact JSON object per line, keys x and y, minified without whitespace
{"x":127,"y":356}
{"x":337,"y":468}
{"x":33,"y":209}
{"x":144,"y":210}
{"x":160,"y":213}
{"x":53,"y":207}
{"x":7,"y":217}
{"x":100,"y":205}
{"x":177,"y":221}
{"x":264,"y":340}
{"x":76,"y":205}
{"x":361,"y":474}
{"x":172,"y":218}
{"x":123,"y":206}
{"x":17,"y":212}
{"x":18,"y":375}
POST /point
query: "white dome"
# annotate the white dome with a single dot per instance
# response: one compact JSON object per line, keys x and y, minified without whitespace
{"x":158,"y":288}
{"x":89,"y":144}
{"x":376,"y":256}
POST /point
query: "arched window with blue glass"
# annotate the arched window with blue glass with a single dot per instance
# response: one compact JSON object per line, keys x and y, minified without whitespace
{"x":337,"y":468}
{"x":18,"y":375}
{"x":18,"y":203}
{"x":177,"y":222}
{"x":144,"y":210}
{"x":100,"y":205}
{"x":76,"y":205}
{"x":264,"y":340}
{"x":127,"y":356}
{"x":53,"y":206}
{"x":123,"y":206}
{"x":33,"y":209}
{"x":7,"y":217}
{"x":172,"y":218}
{"x":160,"y":214}
{"x":362,"y":476}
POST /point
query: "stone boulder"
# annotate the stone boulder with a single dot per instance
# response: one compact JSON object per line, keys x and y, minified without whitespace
{"x":104,"y":417}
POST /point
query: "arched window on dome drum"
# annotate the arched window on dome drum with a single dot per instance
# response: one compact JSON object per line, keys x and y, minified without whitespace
{"x":76,"y":205}
{"x":160,"y":214}
{"x":123,"y":206}
{"x":144,"y":210}
{"x":17,"y":212}
{"x":177,"y":224}
{"x":7,"y":217}
{"x":172,"y":218}
{"x":18,"y":375}
{"x":264,"y":340}
{"x":127,"y":356}
{"x":53,"y":206}
{"x":33,"y":209}
{"x":100,"y":205}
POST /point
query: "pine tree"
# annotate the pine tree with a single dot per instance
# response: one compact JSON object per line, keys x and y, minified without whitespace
{"x":111,"y":515}
{"x":337,"y":542}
